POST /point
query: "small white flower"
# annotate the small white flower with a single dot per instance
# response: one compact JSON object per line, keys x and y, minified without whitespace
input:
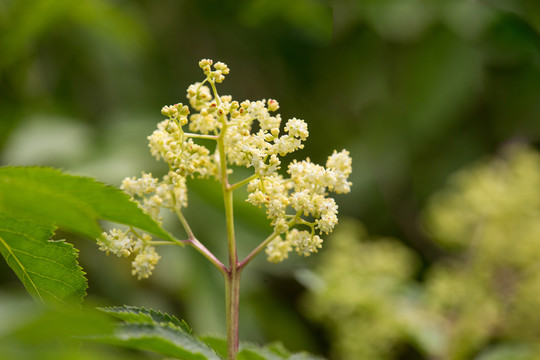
{"x":278,"y":250}
{"x":304,"y":243}
{"x":145,"y":262}
{"x":117,"y":242}
{"x":297,"y":128}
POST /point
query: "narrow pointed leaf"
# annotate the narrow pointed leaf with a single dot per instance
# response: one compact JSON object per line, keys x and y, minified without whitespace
{"x":48,"y":269}
{"x":74,"y":203}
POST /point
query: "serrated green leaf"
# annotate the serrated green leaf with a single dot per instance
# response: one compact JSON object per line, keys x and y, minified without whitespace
{"x":279,"y":349}
{"x":219,"y":344}
{"x":271,"y":352}
{"x":252,"y":354}
{"x":74,"y":203}
{"x":147,"y":329}
{"x":134,"y":314}
{"x":48,"y":269}
{"x":161,"y":338}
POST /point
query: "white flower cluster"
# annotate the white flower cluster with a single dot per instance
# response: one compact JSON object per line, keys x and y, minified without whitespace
{"x":170,"y":193}
{"x":181,"y":153}
{"x":306,"y":193}
{"x":152,"y":195}
{"x":288,"y":201}
{"x":251,"y":135}
{"x":124,"y":244}
{"x":303,"y":242}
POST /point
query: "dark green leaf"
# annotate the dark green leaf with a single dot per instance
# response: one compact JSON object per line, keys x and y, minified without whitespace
{"x":30,"y":331}
{"x":48,"y":269}
{"x":72,"y":202}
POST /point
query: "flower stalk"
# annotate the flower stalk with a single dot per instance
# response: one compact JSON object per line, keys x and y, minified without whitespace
{"x":246,"y":134}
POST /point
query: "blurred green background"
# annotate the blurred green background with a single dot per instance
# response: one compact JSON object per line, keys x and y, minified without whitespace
{"x":414,"y":89}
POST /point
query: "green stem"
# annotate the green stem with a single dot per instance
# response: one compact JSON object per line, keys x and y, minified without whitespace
{"x":232,"y":288}
{"x":232,"y":276}
{"x":257,"y":250}
{"x":262,"y":245}
{"x":243,"y":182}
{"x":208,"y":255}
{"x":214,"y":90}
{"x":184,"y":222}
{"x":232,"y":279}
{"x":161,"y":243}
{"x":201,"y":136}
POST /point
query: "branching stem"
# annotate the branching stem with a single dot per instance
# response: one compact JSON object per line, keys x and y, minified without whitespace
{"x":262,"y":245}
{"x":201,"y":136}
{"x":184,"y":223}
{"x":207,"y":254}
{"x":242,"y":182}
{"x":232,"y":274}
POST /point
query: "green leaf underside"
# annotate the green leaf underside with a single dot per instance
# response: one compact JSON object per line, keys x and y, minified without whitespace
{"x":164,"y":339}
{"x":257,"y":354}
{"x":48,"y":269}
{"x":74,"y":203}
{"x":219,"y":344}
{"x":253,"y":352}
{"x":147,"y":329}
{"x":133,"y":314}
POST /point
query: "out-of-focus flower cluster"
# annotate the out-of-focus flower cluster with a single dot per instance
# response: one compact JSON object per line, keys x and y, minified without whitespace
{"x":490,"y":214}
{"x":359,"y":291}
{"x":126,"y":243}
{"x":479,"y":301}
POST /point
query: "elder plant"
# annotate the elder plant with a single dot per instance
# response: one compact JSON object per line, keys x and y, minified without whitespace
{"x":246,"y":134}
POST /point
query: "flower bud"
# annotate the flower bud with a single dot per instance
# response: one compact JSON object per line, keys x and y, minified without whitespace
{"x":204,"y":63}
{"x":165,"y":111}
{"x":222,"y":67}
{"x":273,"y":105}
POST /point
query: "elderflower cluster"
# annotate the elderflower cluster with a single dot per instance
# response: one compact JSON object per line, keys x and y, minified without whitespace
{"x":305,"y":193}
{"x":124,"y":244}
{"x":255,"y":137}
{"x":246,"y":134}
{"x":152,"y":194}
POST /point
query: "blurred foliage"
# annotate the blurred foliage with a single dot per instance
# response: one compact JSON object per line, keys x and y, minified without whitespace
{"x":414,"y":88}
{"x":359,"y":290}
{"x":479,"y":302}
{"x":34,"y":331}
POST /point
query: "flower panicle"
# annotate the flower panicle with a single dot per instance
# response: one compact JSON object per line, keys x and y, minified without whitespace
{"x":127,"y":243}
{"x":254,"y":136}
